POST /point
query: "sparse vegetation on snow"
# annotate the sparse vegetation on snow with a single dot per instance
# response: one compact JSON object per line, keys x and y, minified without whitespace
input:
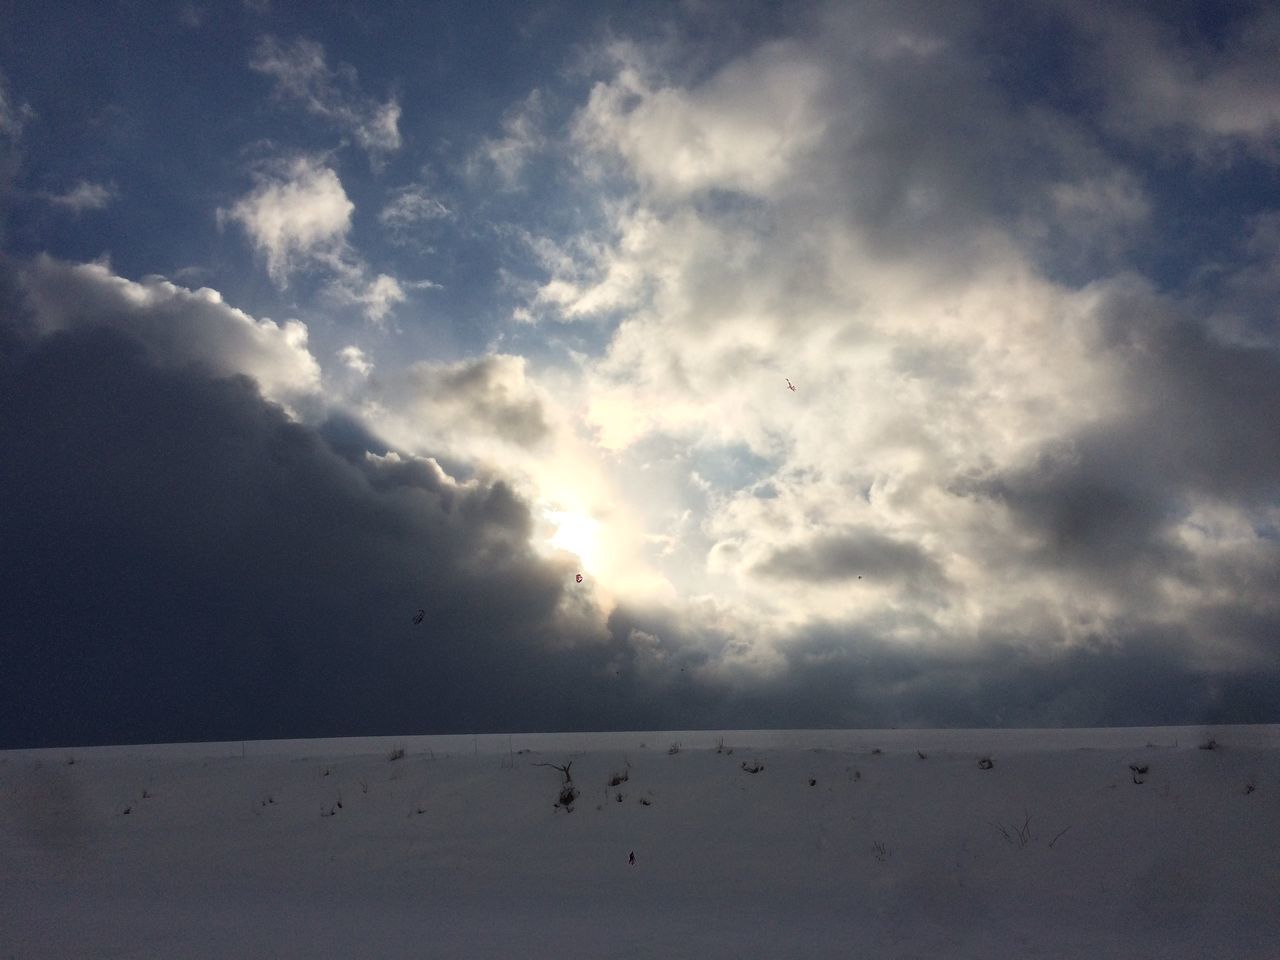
{"x":894,"y":861}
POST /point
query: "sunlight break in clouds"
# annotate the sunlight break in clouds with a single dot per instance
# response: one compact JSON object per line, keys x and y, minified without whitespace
{"x":956,"y":404}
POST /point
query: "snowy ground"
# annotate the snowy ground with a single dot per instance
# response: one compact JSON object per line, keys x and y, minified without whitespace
{"x":457,"y":849}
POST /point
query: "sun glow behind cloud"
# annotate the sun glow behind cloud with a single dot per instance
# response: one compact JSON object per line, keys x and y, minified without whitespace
{"x":578,"y":535}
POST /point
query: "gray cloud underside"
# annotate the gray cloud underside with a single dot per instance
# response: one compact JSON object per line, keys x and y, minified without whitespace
{"x":849,"y":555}
{"x":183,"y":561}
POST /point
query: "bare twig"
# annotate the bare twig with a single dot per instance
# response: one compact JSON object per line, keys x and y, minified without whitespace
{"x":563,"y":769}
{"x":1055,"y":839}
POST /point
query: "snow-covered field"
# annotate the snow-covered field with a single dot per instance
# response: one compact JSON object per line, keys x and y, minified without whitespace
{"x":329,"y":848}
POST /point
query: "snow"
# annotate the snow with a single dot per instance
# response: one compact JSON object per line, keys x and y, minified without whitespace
{"x":457,"y":850}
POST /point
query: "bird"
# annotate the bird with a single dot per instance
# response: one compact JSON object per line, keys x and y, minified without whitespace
{"x":790,"y":385}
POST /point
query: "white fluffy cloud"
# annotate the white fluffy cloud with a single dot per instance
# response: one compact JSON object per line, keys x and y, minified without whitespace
{"x":177,"y":326}
{"x":298,"y":215}
{"x":376,"y":297}
{"x":301,"y":73}
{"x":354,"y":359}
{"x":743,"y":130}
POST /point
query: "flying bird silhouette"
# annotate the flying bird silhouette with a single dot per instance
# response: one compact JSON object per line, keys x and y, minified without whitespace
{"x":790,"y":385}
{"x":417,"y":617}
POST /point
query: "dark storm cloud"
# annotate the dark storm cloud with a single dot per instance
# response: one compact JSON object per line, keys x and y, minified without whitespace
{"x":1200,"y":400}
{"x":1106,"y":500}
{"x":841,"y":679}
{"x":846,"y":676}
{"x":1089,"y":505}
{"x":851,"y":553}
{"x":182,"y":561}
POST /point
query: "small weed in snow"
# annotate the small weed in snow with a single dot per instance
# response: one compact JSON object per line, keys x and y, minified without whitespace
{"x":1020,"y":835}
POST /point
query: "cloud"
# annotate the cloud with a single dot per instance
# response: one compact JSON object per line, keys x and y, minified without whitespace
{"x":522,"y":138}
{"x":1006,"y":452}
{"x":461,"y":407}
{"x":409,"y":208}
{"x":1173,"y":90}
{"x":354,"y":358}
{"x":176,"y":327}
{"x":743,"y":130}
{"x":190,"y":563}
{"x":83,"y":196}
{"x":14,"y":115}
{"x":192,"y":15}
{"x":297,"y":215}
{"x":377,"y":297}
{"x":300,"y":73}
{"x":848,"y":555}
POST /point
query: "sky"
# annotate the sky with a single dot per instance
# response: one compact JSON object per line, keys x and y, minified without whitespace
{"x":314,"y":316}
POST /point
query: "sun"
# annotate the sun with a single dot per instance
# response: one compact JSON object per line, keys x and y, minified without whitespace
{"x":576,"y":534}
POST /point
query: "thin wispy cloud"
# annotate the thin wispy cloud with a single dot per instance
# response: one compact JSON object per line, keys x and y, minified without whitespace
{"x":302,"y":74}
{"x":410,"y":209}
{"x":83,"y":196}
{"x":522,"y":137}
